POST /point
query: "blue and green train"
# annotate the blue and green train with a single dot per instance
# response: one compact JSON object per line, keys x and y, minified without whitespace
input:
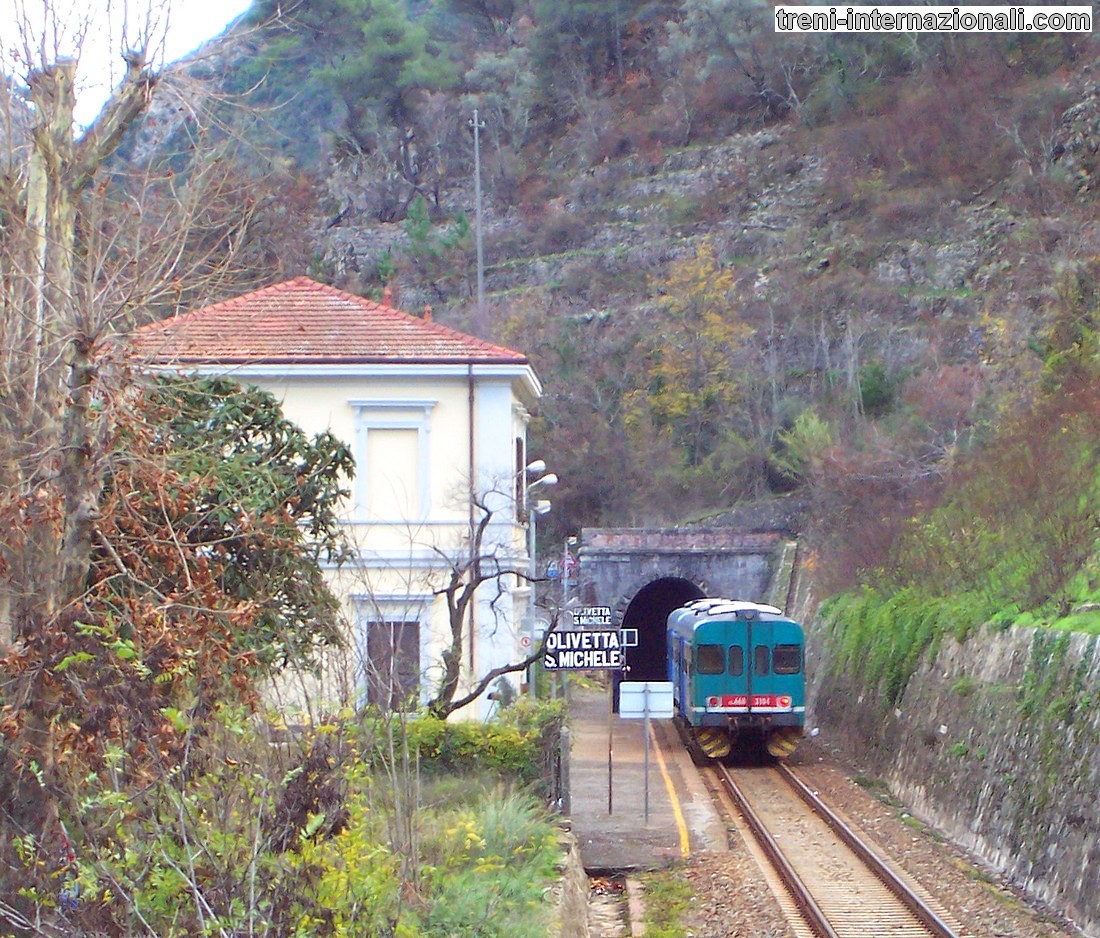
{"x":738,"y":681}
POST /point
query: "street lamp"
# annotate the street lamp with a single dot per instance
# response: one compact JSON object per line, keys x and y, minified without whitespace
{"x":567,"y":561}
{"x":540,"y":507}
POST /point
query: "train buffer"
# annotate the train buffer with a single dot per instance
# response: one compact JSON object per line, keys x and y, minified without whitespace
{"x":682,"y":819}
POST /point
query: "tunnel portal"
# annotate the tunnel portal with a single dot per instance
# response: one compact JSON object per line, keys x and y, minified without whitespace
{"x":647,"y":613}
{"x":642,"y":574}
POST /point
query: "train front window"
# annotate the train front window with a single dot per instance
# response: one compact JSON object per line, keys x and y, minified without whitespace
{"x":787,"y":659}
{"x":737,"y":660}
{"x":761,"y":659}
{"x":709,"y":659}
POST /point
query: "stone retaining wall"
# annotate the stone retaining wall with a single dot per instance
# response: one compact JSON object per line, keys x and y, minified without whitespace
{"x":572,"y":912}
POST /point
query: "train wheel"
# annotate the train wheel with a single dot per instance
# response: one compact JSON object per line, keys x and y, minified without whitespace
{"x":784,"y":741}
{"x":714,"y":742}
{"x":691,"y":742}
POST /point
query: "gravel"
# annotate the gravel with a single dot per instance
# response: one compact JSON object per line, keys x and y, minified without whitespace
{"x":733,"y":900}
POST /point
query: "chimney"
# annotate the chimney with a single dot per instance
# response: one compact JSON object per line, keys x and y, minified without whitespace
{"x":387,"y":297}
{"x":427,"y":312}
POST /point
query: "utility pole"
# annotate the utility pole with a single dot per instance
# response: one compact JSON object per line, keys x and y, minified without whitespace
{"x":478,"y":126}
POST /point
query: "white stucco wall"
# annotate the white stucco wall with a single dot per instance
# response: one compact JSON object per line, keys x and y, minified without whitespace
{"x":410,"y":432}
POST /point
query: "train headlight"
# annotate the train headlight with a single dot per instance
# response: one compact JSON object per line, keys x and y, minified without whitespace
{"x":784,"y":701}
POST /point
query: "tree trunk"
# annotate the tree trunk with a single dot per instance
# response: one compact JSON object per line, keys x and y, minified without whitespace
{"x":50,"y":420}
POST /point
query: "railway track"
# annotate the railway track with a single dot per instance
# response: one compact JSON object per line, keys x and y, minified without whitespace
{"x":837,"y":886}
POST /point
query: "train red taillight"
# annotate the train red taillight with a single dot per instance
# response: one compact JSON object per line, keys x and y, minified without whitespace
{"x":784,"y":701}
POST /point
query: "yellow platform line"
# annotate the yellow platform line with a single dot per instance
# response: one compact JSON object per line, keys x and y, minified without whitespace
{"x":677,"y":813}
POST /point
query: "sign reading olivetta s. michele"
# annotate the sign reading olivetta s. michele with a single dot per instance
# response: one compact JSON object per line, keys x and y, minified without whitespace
{"x":593,"y":615}
{"x":584,"y":650}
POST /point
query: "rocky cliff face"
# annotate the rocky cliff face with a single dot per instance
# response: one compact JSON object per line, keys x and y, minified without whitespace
{"x":1076,"y":144}
{"x":902,"y":277}
{"x":996,"y":743}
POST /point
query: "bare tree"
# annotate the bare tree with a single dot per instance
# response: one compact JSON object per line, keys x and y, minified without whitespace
{"x":88,"y":245}
{"x":471,"y":586}
{"x":471,"y":573}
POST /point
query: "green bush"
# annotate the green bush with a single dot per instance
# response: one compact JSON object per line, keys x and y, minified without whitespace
{"x":876,"y":389}
{"x":481,"y":870}
{"x":885,"y":635}
{"x":493,"y":864}
{"x":513,"y":745}
{"x":398,"y":827}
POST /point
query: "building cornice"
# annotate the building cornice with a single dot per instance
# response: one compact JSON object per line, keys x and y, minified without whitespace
{"x":523,"y":373}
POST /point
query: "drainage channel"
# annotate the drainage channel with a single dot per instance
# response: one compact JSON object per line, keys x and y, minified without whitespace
{"x":614,"y":906}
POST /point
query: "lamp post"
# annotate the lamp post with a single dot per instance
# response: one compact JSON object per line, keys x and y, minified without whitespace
{"x":567,"y":561}
{"x":540,"y":507}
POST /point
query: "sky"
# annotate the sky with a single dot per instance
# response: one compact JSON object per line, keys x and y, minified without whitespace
{"x":177,"y":27}
{"x":195,"y":21}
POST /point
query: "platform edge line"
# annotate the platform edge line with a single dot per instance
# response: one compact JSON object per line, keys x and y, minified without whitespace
{"x":677,"y":812}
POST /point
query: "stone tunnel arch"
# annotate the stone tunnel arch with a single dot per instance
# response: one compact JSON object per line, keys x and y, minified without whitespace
{"x":645,"y":573}
{"x":647,"y":612}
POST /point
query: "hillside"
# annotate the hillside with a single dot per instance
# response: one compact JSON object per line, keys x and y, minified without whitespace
{"x":742,"y":264}
{"x":857,"y":278}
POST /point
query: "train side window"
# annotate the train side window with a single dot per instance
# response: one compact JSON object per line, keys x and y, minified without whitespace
{"x":761,"y":659}
{"x":737,"y":660}
{"x":710,"y":659}
{"x":787,"y":659}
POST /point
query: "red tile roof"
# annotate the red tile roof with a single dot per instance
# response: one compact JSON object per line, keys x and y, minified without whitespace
{"x":302,"y":322}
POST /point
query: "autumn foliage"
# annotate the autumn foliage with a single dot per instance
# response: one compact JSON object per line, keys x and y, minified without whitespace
{"x":204,"y":583}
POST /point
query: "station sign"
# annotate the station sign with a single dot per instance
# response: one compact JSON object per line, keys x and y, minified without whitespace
{"x":584,"y":650}
{"x":645,"y":699}
{"x":598,"y":616}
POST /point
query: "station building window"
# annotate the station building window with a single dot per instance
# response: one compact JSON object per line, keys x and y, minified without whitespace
{"x":393,"y":459}
{"x":393,"y":664}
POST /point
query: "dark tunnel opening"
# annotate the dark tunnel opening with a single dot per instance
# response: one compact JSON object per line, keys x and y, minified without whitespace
{"x":647,"y":612}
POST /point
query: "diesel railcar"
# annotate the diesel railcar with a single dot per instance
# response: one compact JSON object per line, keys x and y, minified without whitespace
{"x":738,"y":680}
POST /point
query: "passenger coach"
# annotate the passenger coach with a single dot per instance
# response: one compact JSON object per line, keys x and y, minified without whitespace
{"x":738,"y":681}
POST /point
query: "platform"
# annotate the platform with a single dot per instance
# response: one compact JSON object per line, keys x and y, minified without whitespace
{"x":681,"y":820}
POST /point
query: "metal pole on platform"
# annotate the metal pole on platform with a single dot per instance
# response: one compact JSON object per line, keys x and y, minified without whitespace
{"x":610,"y":736}
{"x":645,"y":729}
{"x":566,"y":792}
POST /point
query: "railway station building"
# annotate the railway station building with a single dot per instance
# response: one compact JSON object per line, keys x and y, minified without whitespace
{"x":437,"y":423}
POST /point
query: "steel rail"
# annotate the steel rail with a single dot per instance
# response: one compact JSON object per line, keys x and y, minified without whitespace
{"x":805,"y":902}
{"x":928,"y":918}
